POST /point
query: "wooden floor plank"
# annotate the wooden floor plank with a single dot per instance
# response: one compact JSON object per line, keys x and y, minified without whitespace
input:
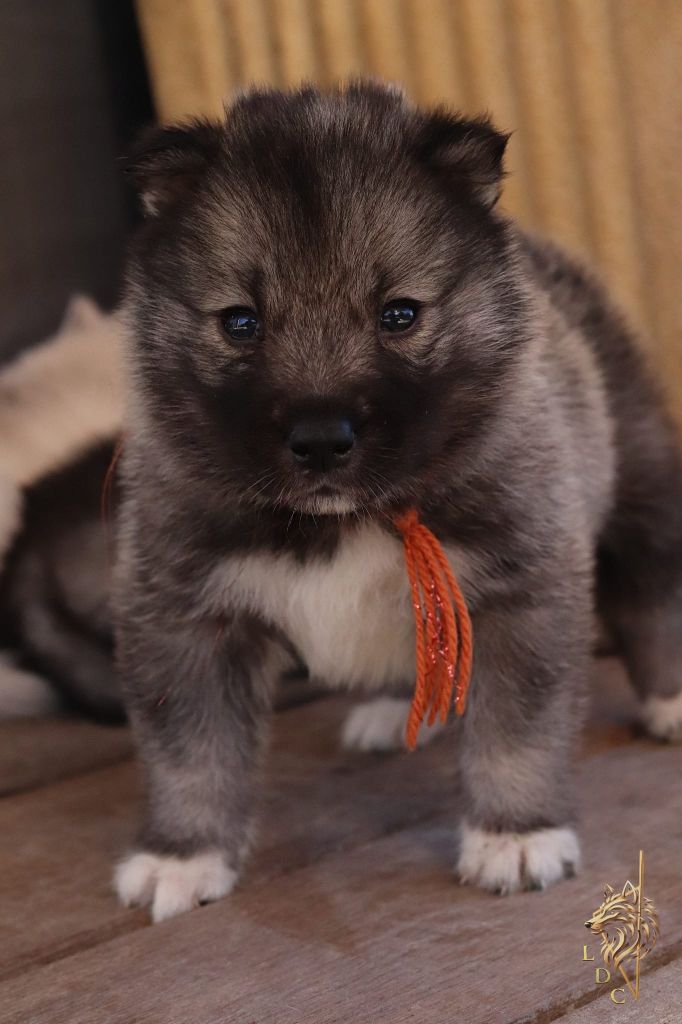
{"x":380,"y":932}
{"x":365,"y":923}
{"x":660,"y":1002}
{"x":56,"y":872}
{"x":38,"y":751}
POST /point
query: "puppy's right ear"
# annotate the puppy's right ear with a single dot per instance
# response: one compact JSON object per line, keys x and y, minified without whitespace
{"x":167,"y":162}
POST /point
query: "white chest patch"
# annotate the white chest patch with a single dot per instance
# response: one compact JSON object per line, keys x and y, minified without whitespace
{"x":350,"y":617}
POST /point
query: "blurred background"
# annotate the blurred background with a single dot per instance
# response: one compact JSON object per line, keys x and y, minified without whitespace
{"x":592,"y":90}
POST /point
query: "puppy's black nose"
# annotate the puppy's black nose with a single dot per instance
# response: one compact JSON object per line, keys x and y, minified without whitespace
{"x":321,"y":444}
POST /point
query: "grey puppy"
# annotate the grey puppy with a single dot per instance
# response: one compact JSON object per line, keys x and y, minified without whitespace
{"x":330,"y":323}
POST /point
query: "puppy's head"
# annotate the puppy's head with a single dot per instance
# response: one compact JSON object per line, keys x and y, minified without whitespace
{"x":324,"y":302}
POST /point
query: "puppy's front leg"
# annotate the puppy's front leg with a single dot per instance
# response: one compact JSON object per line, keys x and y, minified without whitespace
{"x":198,"y":695}
{"x":530,"y":666}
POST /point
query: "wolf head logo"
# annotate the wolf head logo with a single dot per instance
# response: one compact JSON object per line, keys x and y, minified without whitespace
{"x":625,"y":924}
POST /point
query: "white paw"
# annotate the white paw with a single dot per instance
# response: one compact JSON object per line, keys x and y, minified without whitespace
{"x":379,"y":725}
{"x":171,"y":884}
{"x":662,"y":717}
{"x":504,"y":862}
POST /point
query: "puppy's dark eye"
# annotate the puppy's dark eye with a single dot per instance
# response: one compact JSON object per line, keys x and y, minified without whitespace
{"x":239,"y":323}
{"x":398,"y":315}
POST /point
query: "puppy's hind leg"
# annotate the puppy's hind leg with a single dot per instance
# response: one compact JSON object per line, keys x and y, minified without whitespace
{"x":379,"y":725}
{"x":640,"y":579}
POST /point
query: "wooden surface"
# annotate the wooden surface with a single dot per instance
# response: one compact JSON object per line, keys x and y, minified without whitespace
{"x":38,"y":752}
{"x":660,"y":1002}
{"x":348,"y":911}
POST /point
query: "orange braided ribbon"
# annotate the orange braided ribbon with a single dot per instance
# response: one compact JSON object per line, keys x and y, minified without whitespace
{"x":444,"y":639}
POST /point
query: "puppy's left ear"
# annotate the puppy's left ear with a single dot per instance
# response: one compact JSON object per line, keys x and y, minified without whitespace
{"x":167,"y":162}
{"x":472,"y":151}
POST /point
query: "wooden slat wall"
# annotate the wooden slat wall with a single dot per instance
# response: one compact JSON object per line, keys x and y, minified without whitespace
{"x":592,"y":89}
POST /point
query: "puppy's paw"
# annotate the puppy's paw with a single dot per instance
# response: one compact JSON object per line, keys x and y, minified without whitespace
{"x":172,"y":885}
{"x":662,"y":718}
{"x":505,"y":862}
{"x":379,"y":725}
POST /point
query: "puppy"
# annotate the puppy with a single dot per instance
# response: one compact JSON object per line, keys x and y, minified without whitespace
{"x":330,"y":323}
